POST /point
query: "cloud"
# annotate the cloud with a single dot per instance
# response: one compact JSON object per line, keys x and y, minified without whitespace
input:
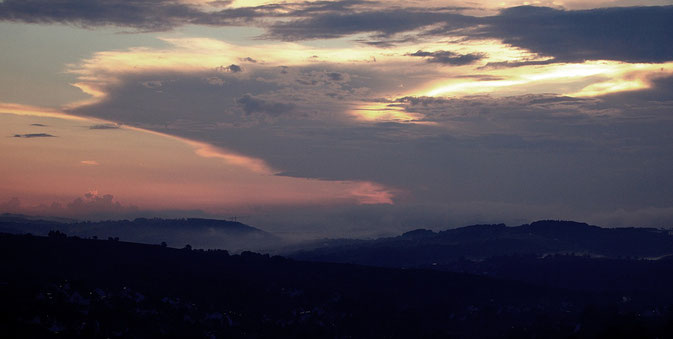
{"x":220,"y":3}
{"x":506,"y":64}
{"x":153,"y":84}
{"x":384,"y":42}
{"x":448,"y":57}
{"x":478,"y":148}
{"x":91,"y":205}
{"x":11,"y":205}
{"x":235,"y":68}
{"x":231,"y":68}
{"x":154,"y":15}
{"x":215,"y":81}
{"x":311,"y":90}
{"x":631,"y":34}
{"x":148,"y":15}
{"x":251,"y":105}
{"x":335,"y":76}
{"x":105,"y":126}
{"x":661,"y":90}
{"x":523,"y":116}
{"x":382,"y":23}
{"x":34,"y":135}
{"x":89,"y":162}
{"x":38,"y":125}
{"x":94,"y":203}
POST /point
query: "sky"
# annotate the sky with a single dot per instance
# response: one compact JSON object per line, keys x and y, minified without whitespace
{"x":338,"y":118}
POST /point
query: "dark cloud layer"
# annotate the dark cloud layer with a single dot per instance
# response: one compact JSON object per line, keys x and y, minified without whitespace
{"x":382,"y":23}
{"x":151,"y":15}
{"x":632,"y":34}
{"x":144,"y":15}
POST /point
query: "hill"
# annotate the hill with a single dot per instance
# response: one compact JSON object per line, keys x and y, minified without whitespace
{"x":197,"y":232}
{"x":424,"y":247}
{"x":560,"y":254}
{"x":69,"y":287}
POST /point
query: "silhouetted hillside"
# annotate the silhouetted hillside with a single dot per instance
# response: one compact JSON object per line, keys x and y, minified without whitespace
{"x":424,"y":247}
{"x":71,"y":287}
{"x":199,"y":233}
{"x":559,"y":254}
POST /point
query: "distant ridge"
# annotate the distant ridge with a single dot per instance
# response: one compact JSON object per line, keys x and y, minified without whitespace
{"x":197,"y":232}
{"x":22,"y":218}
{"x":422,"y":247}
{"x":225,"y":225}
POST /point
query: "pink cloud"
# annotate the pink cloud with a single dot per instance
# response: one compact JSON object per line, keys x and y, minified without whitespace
{"x":90,"y":205}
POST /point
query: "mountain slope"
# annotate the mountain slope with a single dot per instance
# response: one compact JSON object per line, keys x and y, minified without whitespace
{"x":558,"y":254}
{"x":424,"y":247}
{"x":198,"y":233}
{"x":70,"y":287}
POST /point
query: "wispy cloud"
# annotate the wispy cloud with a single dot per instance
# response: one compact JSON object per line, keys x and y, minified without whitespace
{"x":448,"y":57}
{"x":105,"y":126}
{"x":34,"y":135}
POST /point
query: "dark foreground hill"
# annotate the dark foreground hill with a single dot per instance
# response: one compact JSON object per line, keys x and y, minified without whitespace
{"x":560,"y":254}
{"x":197,"y":232}
{"x":71,"y":287}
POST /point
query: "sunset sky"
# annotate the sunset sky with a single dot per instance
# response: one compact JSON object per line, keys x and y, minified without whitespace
{"x":355,"y":118}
